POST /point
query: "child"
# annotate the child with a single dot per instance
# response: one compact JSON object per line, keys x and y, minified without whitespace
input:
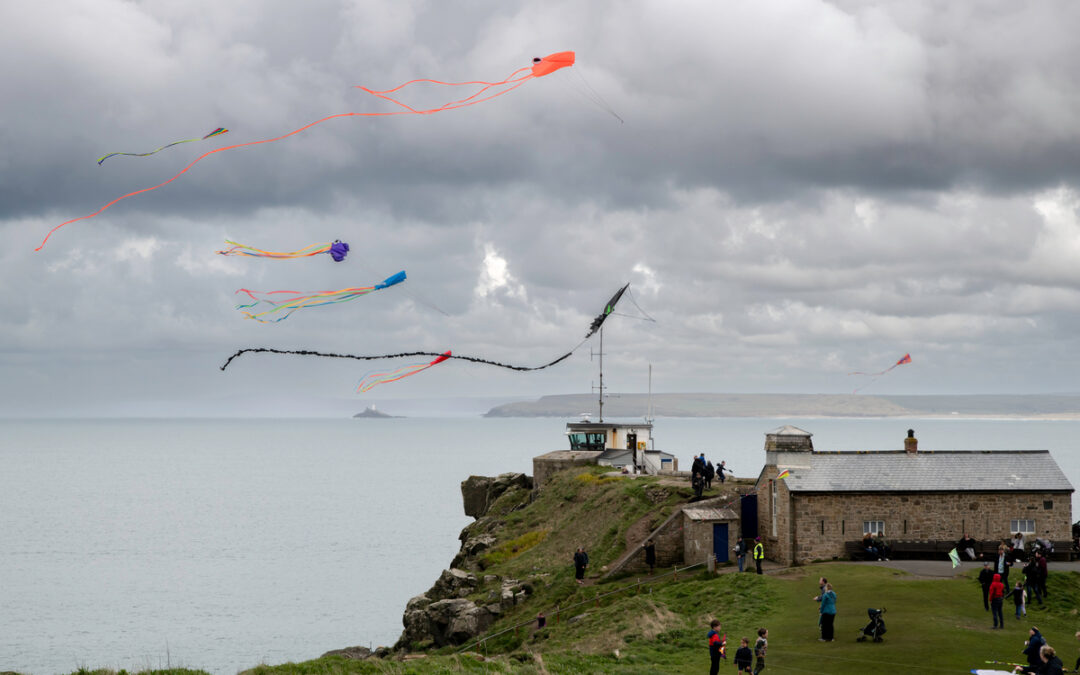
{"x":760,"y":647}
{"x":1020,"y":599}
{"x":717,"y":647}
{"x":744,"y":658}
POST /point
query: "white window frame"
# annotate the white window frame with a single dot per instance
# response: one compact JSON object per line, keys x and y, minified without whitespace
{"x":873,"y":526}
{"x":1018,"y":525}
{"x":773,"y":508}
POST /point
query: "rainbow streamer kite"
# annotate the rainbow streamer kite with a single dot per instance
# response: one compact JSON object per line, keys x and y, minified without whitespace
{"x":215,"y":132}
{"x":337,"y":250}
{"x":372,"y":379}
{"x":783,"y":474}
{"x":541,"y":67}
{"x":291,"y":301}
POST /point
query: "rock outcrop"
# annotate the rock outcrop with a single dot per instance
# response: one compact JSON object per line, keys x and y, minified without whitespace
{"x":480,"y":492}
{"x":445,"y":615}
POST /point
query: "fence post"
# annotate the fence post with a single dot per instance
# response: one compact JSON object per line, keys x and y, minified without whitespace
{"x":675,"y":574}
{"x":556,"y":615}
{"x":597,"y":599}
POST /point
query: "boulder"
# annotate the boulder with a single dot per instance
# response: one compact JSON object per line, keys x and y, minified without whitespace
{"x":456,"y":621}
{"x":354,"y":653}
{"x":452,"y":621}
{"x":453,"y":583}
{"x":415,"y":620}
{"x":478,"y":493}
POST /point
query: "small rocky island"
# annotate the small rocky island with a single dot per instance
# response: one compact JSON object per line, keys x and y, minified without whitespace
{"x":371,"y":413}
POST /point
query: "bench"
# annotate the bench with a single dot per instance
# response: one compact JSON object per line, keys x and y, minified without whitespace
{"x":911,"y":549}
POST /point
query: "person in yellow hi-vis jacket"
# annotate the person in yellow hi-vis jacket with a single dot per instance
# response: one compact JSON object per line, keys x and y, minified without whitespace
{"x":759,"y":553}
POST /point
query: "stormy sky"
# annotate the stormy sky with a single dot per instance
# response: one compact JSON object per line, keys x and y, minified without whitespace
{"x":795,"y":190}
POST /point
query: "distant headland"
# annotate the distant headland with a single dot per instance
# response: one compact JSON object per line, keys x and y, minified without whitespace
{"x":1019,"y":406}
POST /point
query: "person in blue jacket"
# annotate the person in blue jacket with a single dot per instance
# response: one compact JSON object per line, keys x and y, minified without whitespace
{"x":827,"y":610}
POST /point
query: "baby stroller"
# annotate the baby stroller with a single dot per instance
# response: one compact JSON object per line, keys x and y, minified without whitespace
{"x":876,"y":628}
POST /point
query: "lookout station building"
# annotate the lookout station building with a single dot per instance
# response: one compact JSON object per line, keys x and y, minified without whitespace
{"x":829,"y":498}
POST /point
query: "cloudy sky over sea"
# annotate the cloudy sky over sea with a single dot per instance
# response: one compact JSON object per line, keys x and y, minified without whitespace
{"x":796,"y":190}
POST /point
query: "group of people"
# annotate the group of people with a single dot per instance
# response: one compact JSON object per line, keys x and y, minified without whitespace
{"x":744,"y":657}
{"x":875,"y":546}
{"x":702,"y":473}
{"x":994,"y":579}
{"x":826,"y":610}
{"x":742,"y":546}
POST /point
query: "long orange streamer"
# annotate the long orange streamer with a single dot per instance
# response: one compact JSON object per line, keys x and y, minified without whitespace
{"x":541,"y":67}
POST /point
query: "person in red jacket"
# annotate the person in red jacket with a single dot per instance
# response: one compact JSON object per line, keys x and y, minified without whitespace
{"x":997,"y":596}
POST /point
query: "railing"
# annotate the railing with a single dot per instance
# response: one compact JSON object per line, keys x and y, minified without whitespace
{"x":674,"y":574}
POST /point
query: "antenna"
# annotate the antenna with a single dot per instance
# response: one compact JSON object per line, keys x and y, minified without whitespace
{"x":601,"y":373}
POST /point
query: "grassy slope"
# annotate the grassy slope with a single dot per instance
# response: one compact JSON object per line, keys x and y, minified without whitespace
{"x":935,"y":625}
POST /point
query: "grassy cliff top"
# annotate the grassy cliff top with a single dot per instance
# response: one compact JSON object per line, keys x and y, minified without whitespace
{"x":935,"y":625}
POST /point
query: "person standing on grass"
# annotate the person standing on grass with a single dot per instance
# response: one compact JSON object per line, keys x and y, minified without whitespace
{"x":744,"y":658}
{"x":986,"y":577}
{"x":1042,"y":574}
{"x":997,"y":595}
{"x":1019,"y":599}
{"x":716,"y":647}
{"x":759,"y":553}
{"x":581,"y":561}
{"x":740,"y":552}
{"x":760,"y":647}
{"x":826,"y":611}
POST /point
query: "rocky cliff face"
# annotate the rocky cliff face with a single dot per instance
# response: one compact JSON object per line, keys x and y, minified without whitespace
{"x":445,"y":615}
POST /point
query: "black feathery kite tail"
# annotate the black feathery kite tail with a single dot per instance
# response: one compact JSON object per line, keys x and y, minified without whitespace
{"x":379,"y":357}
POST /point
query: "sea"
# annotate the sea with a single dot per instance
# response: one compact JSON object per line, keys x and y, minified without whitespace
{"x":227,"y":543}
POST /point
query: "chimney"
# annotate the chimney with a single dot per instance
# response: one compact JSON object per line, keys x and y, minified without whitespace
{"x":911,"y":444}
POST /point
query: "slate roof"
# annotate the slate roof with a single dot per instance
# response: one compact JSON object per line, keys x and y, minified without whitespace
{"x":936,"y":471}
{"x":709,"y":513}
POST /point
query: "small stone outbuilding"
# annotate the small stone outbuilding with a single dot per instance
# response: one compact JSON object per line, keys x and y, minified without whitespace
{"x":709,"y":530}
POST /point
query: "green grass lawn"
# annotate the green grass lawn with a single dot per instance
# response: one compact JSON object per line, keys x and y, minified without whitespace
{"x":934,"y":626}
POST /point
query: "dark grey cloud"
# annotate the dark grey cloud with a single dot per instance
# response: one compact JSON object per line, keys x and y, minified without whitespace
{"x":799,"y":190}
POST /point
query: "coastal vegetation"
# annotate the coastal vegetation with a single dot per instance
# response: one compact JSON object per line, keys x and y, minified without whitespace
{"x":654,"y":625}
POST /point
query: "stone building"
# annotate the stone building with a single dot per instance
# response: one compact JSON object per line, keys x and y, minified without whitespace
{"x":829,"y":498}
{"x":709,"y":529}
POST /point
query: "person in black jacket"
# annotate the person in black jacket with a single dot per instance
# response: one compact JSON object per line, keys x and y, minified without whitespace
{"x":986,"y":576}
{"x":744,"y":658}
{"x":650,"y":554}
{"x":1048,"y":663}
{"x":1032,"y":649}
{"x":581,"y":561}
{"x":967,"y":546}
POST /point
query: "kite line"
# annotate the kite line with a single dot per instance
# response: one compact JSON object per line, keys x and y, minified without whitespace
{"x":540,"y":67}
{"x":381,"y":357}
{"x":215,"y":132}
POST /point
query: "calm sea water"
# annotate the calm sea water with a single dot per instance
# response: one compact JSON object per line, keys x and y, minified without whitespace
{"x":222,"y":544}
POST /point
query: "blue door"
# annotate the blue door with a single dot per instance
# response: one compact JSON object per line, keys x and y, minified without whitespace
{"x":719,"y":542}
